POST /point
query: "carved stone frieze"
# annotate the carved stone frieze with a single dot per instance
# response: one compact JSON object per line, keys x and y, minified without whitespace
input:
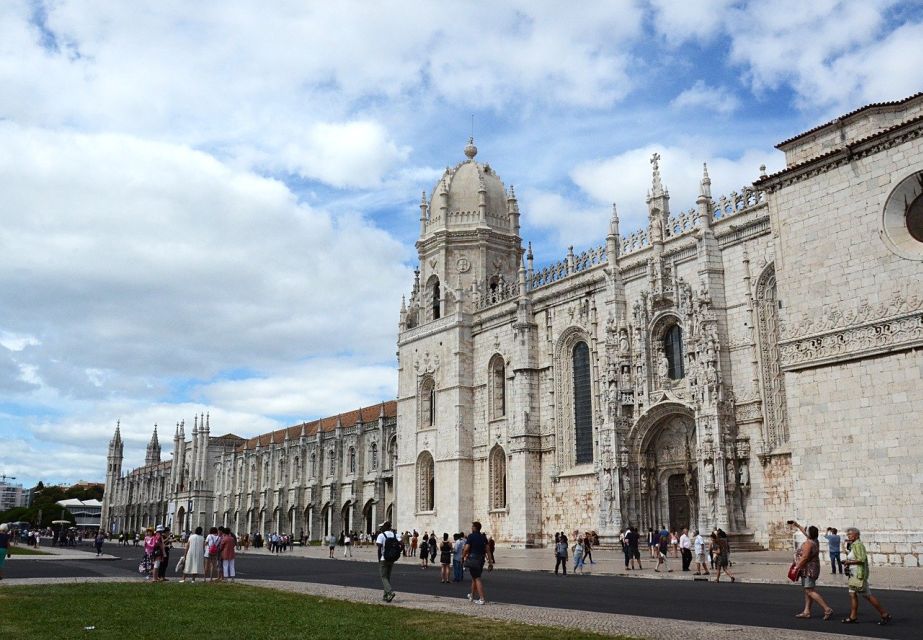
{"x":896,"y":332}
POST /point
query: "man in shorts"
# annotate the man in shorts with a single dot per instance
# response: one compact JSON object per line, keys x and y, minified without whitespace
{"x":701,"y":560}
{"x":474,"y":554}
{"x":632,"y":537}
{"x":857,"y":561}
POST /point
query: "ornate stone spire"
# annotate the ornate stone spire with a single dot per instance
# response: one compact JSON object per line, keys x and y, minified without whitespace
{"x":705,"y":185}
{"x":153,"y":449}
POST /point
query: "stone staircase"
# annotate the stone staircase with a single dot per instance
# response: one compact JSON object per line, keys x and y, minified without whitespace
{"x":742,"y":541}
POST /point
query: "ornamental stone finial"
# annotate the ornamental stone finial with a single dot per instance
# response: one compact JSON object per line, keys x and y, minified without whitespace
{"x":470,"y":149}
{"x":656,"y":184}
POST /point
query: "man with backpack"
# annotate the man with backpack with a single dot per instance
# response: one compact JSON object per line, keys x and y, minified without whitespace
{"x":390,"y":550}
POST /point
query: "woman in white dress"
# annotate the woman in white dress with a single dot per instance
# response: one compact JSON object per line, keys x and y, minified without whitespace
{"x":194,"y":564}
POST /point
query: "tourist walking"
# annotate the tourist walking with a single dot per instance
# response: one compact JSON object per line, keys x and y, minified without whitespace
{"x":445,"y":557}
{"x":633,"y":538}
{"x":433,"y":547}
{"x":457,"y":565}
{"x":228,"y":554}
{"x":578,"y":555}
{"x":98,"y":542}
{"x":723,"y":557}
{"x":389,"y":550}
{"x":560,"y":552}
{"x":834,"y":542}
{"x":331,"y":545}
{"x":663,"y":548}
{"x":474,"y":555}
{"x":807,"y":562}
{"x":4,"y":546}
{"x":699,"y":551}
{"x":167,"y":538}
{"x":652,"y":542}
{"x":347,"y":545}
{"x":588,"y":548}
{"x":685,"y":549}
{"x":858,"y":584}
{"x":194,"y":559}
{"x":414,"y":542}
{"x":424,"y":552}
{"x":212,"y":555}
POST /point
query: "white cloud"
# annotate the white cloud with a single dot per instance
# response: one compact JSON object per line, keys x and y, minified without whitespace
{"x":702,"y":96}
{"x":626,"y":178}
{"x":834,"y":54}
{"x":138,"y":259}
{"x":689,"y":20}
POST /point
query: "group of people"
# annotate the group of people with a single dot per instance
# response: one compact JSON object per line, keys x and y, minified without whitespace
{"x":211,"y":557}
{"x":807,"y":568}
{"x":715,"y":552}
{"x":582,"y":550}
{"x":466,"y":551}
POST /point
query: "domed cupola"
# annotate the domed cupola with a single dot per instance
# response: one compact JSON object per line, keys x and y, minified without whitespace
{"x":467,"y":196}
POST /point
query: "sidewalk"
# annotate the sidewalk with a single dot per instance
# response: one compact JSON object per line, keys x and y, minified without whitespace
{"x":85,"y":552}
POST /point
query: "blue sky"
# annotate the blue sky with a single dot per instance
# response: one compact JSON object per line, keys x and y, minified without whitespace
{"x":214,"y":209}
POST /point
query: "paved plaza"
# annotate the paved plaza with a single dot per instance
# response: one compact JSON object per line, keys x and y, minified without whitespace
{"x":648,"y":605}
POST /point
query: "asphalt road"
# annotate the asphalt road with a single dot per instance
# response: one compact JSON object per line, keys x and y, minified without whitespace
{"x":739,"y":604}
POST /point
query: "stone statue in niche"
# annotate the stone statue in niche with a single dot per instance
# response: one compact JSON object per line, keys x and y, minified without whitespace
{"x":643,"y":480}
{"x":709,"y":472}
{"x":626,"y":481}
{"x":623,"y":341}
{"x":607,"y":486}
{"x":731,"y":474}
{"x":744,"y":474}
{"x":664,"y":367}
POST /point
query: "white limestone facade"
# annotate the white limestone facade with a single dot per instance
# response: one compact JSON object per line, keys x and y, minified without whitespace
{"x":749,"y":360}
{"x":316,"y":478}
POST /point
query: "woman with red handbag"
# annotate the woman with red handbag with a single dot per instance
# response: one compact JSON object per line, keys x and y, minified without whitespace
{"x":807,"y":562}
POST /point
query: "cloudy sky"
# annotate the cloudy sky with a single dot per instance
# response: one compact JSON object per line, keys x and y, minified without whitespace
{"x":212,"y":207}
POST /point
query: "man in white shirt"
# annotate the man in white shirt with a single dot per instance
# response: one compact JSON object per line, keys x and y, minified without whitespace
{"x":685,"y":548}
{"x":701,"y":562}
{"x":386,"y":559}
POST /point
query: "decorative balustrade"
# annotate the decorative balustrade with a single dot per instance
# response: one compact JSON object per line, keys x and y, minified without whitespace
{"x":496,"y":294}
{"x":570,"y":265}
{"x":677,"y":225}
{"x":735,"y":203}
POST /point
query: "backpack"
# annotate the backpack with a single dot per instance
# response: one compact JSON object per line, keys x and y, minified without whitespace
{"x":393,"y":549}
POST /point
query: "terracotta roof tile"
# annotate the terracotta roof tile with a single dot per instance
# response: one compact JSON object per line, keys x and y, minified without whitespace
{"x":324,"y":425}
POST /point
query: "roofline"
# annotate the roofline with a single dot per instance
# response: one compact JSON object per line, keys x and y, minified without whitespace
{"x":848,"y":116}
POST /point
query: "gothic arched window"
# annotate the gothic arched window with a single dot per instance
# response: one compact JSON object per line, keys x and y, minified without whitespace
{"x":583,"y":410}
{"x":497,"y":470}
{"x":352,"y":460}
{"x":426,"y":482}
{"x":673,"y":350}
{"x":427,"y":403}
{"x":373,"y":456}
{"x":313,"y":464}
{"x":497,"y":387}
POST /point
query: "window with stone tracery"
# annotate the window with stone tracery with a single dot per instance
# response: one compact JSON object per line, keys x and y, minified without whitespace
{"x":583,"y":410}
{"x":426,"y":482}
{"x":296,"y":469}
{"x":497,"y":472}
{"x":497,"y":387}
{"x":313,"y":464}
{"x":773,"y":380}
{"x":673,"y":350}
{"x":351,"y":456}
{"x":373,"y":456}
{"x":427,"y":403}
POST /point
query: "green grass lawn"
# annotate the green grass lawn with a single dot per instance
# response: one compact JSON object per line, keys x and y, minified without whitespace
{"x":227,"y":612}
{"x":25,"y":551}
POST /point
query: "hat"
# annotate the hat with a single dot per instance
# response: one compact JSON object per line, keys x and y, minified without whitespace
{"x":159,"y":528}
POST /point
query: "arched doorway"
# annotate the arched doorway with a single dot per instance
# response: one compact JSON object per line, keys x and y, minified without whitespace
{"x":326,"y":518}
{"x":180,"y":519}
{"x":661,"y":488}
{"x":346,"y":516}
{"x":368,"y":516}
